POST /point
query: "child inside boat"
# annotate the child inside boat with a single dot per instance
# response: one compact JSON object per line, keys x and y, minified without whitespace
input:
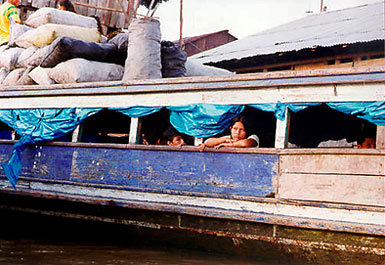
{"x":239,"y":136}
{"x":366,"y":143}
{"x":174,"y":138}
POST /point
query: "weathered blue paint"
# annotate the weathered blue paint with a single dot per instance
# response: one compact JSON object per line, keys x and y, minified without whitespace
{"x":161,"y":171}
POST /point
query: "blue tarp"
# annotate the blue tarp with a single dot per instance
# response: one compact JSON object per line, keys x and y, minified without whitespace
{"x":198,"y":120}
{"x":35,"y":125}
{"x":203,"y":120}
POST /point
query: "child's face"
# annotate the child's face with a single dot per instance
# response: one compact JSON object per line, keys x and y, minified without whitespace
{"x":367,"y":143}
{"x":177,"y":140}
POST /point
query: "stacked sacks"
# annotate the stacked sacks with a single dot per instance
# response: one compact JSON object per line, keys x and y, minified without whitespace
{"x":44,"y":43}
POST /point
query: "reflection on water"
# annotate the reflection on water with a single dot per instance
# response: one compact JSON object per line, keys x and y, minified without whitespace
{"x":32,"y":239}
{"x":35,"y":251}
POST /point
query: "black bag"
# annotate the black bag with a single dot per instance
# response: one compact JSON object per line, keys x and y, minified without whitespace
{"x":173,"y":60}
{"x":65,"y":48}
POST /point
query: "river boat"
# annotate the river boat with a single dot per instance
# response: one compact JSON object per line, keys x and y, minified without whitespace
{"x":317,"y":205}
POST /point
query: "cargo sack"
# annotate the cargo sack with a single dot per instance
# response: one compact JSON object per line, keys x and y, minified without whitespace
{"x":40,"y":76}
{"x":37,"y":57}
{"x":46,"y":34}
{"x":3,"y":73}
{"x":25,"y":80}
{"x":49,"y":15}
{"x":13,"y":77}
{"x":25,"y":57}
{"x":194,"y":68}
{"x":80,"y":70}
{"x":65,"y":48}
{"x":9,"y":57}
{"x":15,"y":31}
{"x":173,"y":60}
{"x":120,"y":40}
{"x":143,"y":55}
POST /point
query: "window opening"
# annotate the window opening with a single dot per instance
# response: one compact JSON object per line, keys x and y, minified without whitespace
{"x":262,"y":124}
{"x":155,"y":128}
{"x":107,"y":126}
{"x":5,"y":131}
{"x":322,"y":126}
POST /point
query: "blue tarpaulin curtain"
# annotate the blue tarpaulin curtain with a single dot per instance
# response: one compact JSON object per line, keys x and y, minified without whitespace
{"x":203,"y":120}
{"x":136,"y":112}
{"x":35,"y":125}
{"x":198,"y":120}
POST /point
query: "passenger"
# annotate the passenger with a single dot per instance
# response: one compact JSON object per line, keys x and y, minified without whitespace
{"x":8,"y":10}
{"x":239,"y":136}
{"x":366,"y":142}
{"x":173,"y":137}
{"x":66,"y":5}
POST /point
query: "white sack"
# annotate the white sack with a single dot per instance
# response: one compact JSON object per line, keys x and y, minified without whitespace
{"x":25,"y":57}
{"x":15,"y":31}
{"x":81,"y":70}
{"x":9,"y":57}
{"x":38,"y":56}
{"x":143,"y":53}
{"x":13,"y":77}
{"x":25,"y":80}
{"x":46,"y":34}
{"x":40,"y":76}
{"x":47,"y":15}
{"x":3,"y":74}
{"x":3,"y":48}
{"x":194,"y":68}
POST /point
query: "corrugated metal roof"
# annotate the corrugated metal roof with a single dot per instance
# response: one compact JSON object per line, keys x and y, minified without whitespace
{"x":357,"y":24}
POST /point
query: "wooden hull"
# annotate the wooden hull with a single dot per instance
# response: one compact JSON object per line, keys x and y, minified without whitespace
{"x":219,"y":195}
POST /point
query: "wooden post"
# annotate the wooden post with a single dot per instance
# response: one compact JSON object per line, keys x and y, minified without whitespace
{"x":282,"y":131}
{"x":181,"y":44}
{"x":198,"y":141}
{"x":76,"y":134}
{"x":380,"y":142}
{"x":134,"y":131}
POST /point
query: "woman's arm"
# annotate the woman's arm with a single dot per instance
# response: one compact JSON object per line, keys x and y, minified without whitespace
{"x":211,"y":142}
{"x":241,"y":143}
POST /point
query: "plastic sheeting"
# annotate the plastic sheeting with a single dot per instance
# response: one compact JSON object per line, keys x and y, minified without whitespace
{"x":136,"y":112}
{"x":370,"y":111}
{"x":203,"y":120}
{"x":35,"y":125}
{"x":198,"y":120}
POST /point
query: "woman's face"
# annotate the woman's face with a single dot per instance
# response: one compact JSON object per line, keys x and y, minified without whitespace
{"x":238,"y":131}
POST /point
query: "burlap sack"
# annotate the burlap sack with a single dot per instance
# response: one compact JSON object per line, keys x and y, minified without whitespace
{"x":46,"y":34}
{"x":194,"y":68}
{"x":13,"y":77}
{"x":25,"y":80}
{"x":9,"y":57}
{"x":81,"y":70}
{"x":48,"y":15}
{"x":25,"y":57}
{"x":143,"y":54}
{"x":3,"y":74}
{"x":15,"y":31}
{"x":36,"y":57}
{"x":40,"y":76}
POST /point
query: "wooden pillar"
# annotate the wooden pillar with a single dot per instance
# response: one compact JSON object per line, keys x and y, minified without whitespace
{"x":282,"y":131}
{"x":198,"y":141}
{"x":76,"y":134}
{"x":135,"y":126}
{"x":380,"y":142}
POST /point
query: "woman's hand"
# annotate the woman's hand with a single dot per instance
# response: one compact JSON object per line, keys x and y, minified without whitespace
{"x":227,"y":144}
{"x":202,"y":147}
